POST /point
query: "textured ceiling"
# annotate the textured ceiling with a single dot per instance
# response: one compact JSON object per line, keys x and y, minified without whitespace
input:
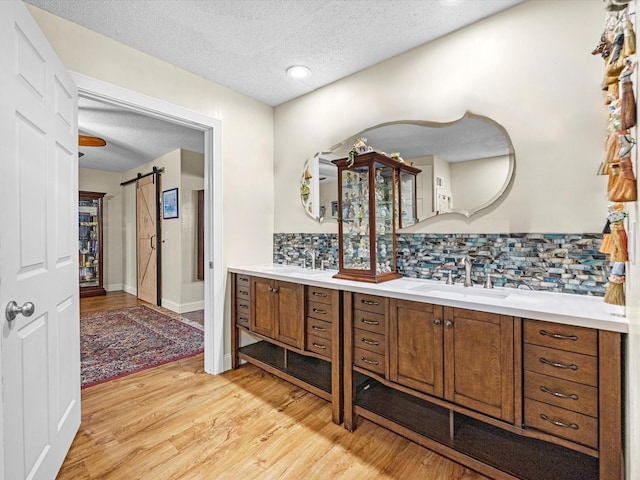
{"x":132,"y":139}
{"x":247,"y":46}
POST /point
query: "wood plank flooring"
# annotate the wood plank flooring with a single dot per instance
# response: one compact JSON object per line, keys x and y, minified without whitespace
{"x":110,"y":301}
{"x":177,"y":422}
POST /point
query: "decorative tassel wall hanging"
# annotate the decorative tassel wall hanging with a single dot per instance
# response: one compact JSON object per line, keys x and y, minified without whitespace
{"x":617,"y":250}
{"x":622,"y":185}
{"x":617,"y":47}
{"x":628,"y":99}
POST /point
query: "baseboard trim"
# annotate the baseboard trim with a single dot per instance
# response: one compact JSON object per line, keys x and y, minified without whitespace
{"x":182,"y":307}
{"x":131,"y":290}
{"x":114,"y":288}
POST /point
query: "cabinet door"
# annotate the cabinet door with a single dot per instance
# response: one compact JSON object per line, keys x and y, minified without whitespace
{"x":290,"y":314}
{"x":416,"y":349}
{"x":264,"y":304}
{"x":479,"y":361}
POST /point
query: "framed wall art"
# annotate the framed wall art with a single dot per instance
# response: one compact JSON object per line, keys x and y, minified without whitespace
{"x":170,"y":203}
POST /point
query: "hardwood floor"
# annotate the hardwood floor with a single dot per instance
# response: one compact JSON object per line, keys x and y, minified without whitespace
{"x":177,"y":422}
{"x":110,"y":301}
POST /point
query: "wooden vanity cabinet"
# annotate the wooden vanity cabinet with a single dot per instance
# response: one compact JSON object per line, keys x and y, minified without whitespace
{"x":463,"y":356}
{"x":479,"y":361}
{"x":299,"y":328}
{"x":573,"y":389}
{"x":416,"y":346}
{"x":487,"y":390}
{"x":278,"y":310}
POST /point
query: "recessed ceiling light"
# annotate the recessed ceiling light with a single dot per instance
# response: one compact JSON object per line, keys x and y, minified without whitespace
{"x":298,"y":71}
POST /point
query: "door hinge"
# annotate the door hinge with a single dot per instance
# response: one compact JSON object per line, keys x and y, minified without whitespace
{"x":211,"y":265}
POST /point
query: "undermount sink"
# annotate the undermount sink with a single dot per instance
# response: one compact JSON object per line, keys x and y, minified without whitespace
{"x":455,"y":291}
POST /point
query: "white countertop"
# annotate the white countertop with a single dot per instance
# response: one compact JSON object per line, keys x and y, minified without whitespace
{"x":579,"y":310}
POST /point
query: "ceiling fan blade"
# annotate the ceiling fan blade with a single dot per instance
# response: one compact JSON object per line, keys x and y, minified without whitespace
{"x":86,"y":141}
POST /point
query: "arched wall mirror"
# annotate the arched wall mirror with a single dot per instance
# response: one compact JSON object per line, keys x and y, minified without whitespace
{"x":466,"y":165}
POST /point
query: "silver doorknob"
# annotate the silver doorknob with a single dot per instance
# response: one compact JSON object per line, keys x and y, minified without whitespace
{"x":13,"y":309}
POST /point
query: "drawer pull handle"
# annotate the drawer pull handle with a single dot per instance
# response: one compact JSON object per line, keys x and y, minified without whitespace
{"x":370,"y":322}
{"x":319,"y":294}
{"x":370,"y":342}
{"x":573,"y":338}
{"x":573,"y":426}
{"x":321,"y":347}
{"x":572,"y":396}
{"x":371,"y":362}
{"x":319,"y":329}
{"x":369,"y":302}
{"x":243,"y":305}
{"x":321,"y":312}
{"x":243,"y":292}
{"x":558,"y":365}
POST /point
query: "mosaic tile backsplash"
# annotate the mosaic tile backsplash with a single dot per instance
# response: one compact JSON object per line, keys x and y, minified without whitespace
{"x":567,"y":263}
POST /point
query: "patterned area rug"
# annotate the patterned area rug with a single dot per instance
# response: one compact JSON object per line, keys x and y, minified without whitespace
{"x":120,"y":342}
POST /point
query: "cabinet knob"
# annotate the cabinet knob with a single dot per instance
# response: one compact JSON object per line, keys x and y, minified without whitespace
{"x":436,"y":321}
{"x":448,"y":324}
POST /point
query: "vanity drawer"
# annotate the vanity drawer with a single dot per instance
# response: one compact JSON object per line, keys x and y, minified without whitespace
{"x":564,"y":337}
{"x":319,"y":345}
{"x":373,"y":342}
{"x":242,"y":307}
{"x":318,"y":328}
{"x":368,"y":360}
{"x":561,"y":393}
{"x":561,"y":423}
{"x":243,"y":291}
{"x":561,"y":364}
{"x":243,"y":282}
{"x":321,"y":311}
{"x":373,"y":322}
{"x":243,"y":320}
{"x":319,"y":294}
{"x":370,"y":303}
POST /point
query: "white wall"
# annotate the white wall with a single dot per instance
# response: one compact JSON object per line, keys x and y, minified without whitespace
{"x":109,"y":183}
{"x":528,"y":68}
{"x":191,"y":180}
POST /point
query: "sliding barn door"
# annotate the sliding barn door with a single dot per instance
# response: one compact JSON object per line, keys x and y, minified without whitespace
{"x":147,"y":228}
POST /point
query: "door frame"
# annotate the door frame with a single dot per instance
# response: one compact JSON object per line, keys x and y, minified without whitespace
{"x":213,"y":250}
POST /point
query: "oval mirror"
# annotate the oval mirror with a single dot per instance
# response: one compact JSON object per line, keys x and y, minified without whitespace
{"x":466,"y":165}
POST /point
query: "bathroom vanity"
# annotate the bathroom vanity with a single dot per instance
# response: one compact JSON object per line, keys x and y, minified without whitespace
{"x":513,"y":384}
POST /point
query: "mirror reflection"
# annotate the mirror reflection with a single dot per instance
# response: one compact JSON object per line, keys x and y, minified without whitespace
{"x":466,"y":165}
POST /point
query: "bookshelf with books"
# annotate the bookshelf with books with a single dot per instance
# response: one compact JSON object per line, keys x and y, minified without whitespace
{"x":90,"y":257}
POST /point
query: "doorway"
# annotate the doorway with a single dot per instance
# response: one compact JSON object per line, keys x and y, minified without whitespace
{"x":213,"y":253}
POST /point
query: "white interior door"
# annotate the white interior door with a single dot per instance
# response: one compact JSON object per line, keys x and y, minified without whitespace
{"x":40,"y":353}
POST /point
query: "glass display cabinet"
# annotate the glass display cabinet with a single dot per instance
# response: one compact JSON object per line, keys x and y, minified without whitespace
{"x":376,"y":195}
{"x":90,"y":243}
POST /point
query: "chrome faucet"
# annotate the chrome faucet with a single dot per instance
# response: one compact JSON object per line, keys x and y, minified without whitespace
{"x":313,"y":258}
{"x":467,"y":271}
